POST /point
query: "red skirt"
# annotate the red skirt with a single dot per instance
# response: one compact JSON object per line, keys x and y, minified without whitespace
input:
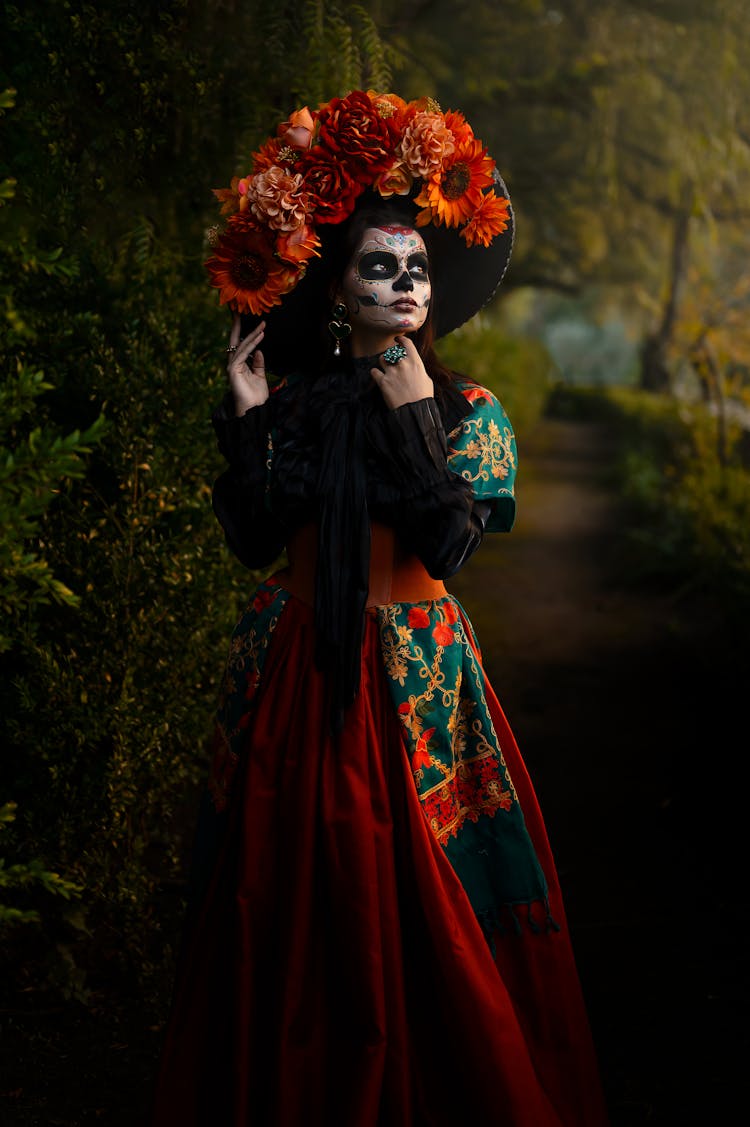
{"x":335,"y":973}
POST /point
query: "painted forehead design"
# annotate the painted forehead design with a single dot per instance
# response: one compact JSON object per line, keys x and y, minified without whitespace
{"x":398,"y":239}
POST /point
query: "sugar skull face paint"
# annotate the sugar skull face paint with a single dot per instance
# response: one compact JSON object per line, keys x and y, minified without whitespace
{"x":386,"y":287}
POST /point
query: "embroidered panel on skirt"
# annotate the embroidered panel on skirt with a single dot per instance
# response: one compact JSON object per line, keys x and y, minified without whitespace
{"x":247,"y":651}
{"x":467,"y":794}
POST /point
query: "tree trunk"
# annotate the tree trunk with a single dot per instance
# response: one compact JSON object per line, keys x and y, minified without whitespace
{"x":655,"y":374}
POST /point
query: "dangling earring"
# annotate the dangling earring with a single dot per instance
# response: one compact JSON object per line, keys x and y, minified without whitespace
{"x":338,"y":326}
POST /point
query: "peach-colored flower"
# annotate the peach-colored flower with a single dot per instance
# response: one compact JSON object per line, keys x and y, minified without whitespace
{"x":298,"y":131}
{"x":276,"y":199}
{"x":395,"y":181}
{"x":426,"y":144}
{"x":489,"y":219}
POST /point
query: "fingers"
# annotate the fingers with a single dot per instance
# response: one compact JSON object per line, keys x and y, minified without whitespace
{"x":234,"y":336}
{"x":243,"y":349}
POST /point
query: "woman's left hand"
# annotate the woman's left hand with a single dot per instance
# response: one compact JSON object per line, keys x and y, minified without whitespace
{"x":407,"y":380}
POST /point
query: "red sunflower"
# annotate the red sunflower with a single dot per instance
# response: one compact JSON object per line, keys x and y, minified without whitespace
{"x":246,"y":273}
{"x":453,"y":195}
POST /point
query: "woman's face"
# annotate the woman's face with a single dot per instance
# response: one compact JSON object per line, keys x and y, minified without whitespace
{"x":386,"y":287}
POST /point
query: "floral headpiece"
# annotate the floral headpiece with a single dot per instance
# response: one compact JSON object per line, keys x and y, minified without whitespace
{"x":318,"y":164}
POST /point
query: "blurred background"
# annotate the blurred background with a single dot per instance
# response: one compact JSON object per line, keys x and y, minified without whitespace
{"x":622,"y":130}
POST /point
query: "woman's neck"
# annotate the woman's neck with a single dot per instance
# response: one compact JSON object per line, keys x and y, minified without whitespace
{"x":370,"y":344}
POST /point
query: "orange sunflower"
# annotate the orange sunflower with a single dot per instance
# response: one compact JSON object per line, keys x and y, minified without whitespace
{"x":250,"y":279}
{"x":452,"y":195}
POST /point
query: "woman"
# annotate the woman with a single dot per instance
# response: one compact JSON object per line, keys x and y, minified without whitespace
{"x":376,"y":933}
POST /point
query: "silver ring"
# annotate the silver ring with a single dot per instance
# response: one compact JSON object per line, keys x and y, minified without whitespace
{"x":233,"y":348}
{"x":395,"y":353}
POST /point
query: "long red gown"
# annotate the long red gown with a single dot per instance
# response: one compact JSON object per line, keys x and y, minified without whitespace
{"x":335,"y":973}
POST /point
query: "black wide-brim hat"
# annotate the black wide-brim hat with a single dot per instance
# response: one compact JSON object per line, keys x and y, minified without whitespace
{"x":464,"y":281}
{"x":465,"y":278}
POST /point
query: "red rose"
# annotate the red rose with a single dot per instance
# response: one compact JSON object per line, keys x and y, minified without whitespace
{"x":331,"y":190}
{"x":404,"y":708}
{"x":418,"y":618}
{"x":352,"y":129}
{"x":443,"y":634}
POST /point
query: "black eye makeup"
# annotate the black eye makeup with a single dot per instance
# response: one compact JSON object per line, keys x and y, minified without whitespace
{"x":381,"y":265}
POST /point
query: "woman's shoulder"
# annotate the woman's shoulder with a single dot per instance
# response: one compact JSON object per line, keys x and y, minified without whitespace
{"x":482,"y":405}
{"x":482,"y":450}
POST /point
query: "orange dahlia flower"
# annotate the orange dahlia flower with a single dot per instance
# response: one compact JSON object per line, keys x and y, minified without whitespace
{"x":459,"y":127}
{"x":246,"y":273}
{"x":453,"y":195}
{"x":491,"y":217}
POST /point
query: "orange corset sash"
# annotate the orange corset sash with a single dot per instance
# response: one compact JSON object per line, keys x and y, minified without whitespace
{"x":395,"y":577}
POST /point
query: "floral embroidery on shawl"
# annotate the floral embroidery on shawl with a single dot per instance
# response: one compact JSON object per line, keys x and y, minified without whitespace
{"x":242,"y":674}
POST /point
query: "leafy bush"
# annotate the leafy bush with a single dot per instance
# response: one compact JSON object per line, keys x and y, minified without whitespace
{"x":120,"y":591}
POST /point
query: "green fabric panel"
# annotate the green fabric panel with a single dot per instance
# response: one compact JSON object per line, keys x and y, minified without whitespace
{"x":462,"y":779}
{"x":482,"y":450}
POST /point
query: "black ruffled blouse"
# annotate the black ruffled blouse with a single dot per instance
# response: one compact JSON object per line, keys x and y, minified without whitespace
{"x":341,"y":457}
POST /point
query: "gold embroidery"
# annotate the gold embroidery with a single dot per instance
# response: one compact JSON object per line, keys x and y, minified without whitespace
{"x":480,"y":440}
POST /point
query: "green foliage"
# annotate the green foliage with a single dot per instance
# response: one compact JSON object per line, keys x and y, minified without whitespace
{"x":121,"y":591}
{"x":32,"y":470}
{"x":21,"y":876}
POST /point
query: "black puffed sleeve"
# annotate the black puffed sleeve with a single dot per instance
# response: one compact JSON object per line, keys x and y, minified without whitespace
{"x":252,"y":532}
{"x":432,"y":509}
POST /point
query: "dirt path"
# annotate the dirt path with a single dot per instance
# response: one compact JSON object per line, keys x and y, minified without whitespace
{"x":614,"y":693}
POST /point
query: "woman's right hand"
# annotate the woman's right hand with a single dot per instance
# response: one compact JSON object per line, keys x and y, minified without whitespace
{"x":247,"y":368}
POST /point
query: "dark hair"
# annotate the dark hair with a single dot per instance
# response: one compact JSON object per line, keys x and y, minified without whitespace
{"x":297,"y":335}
